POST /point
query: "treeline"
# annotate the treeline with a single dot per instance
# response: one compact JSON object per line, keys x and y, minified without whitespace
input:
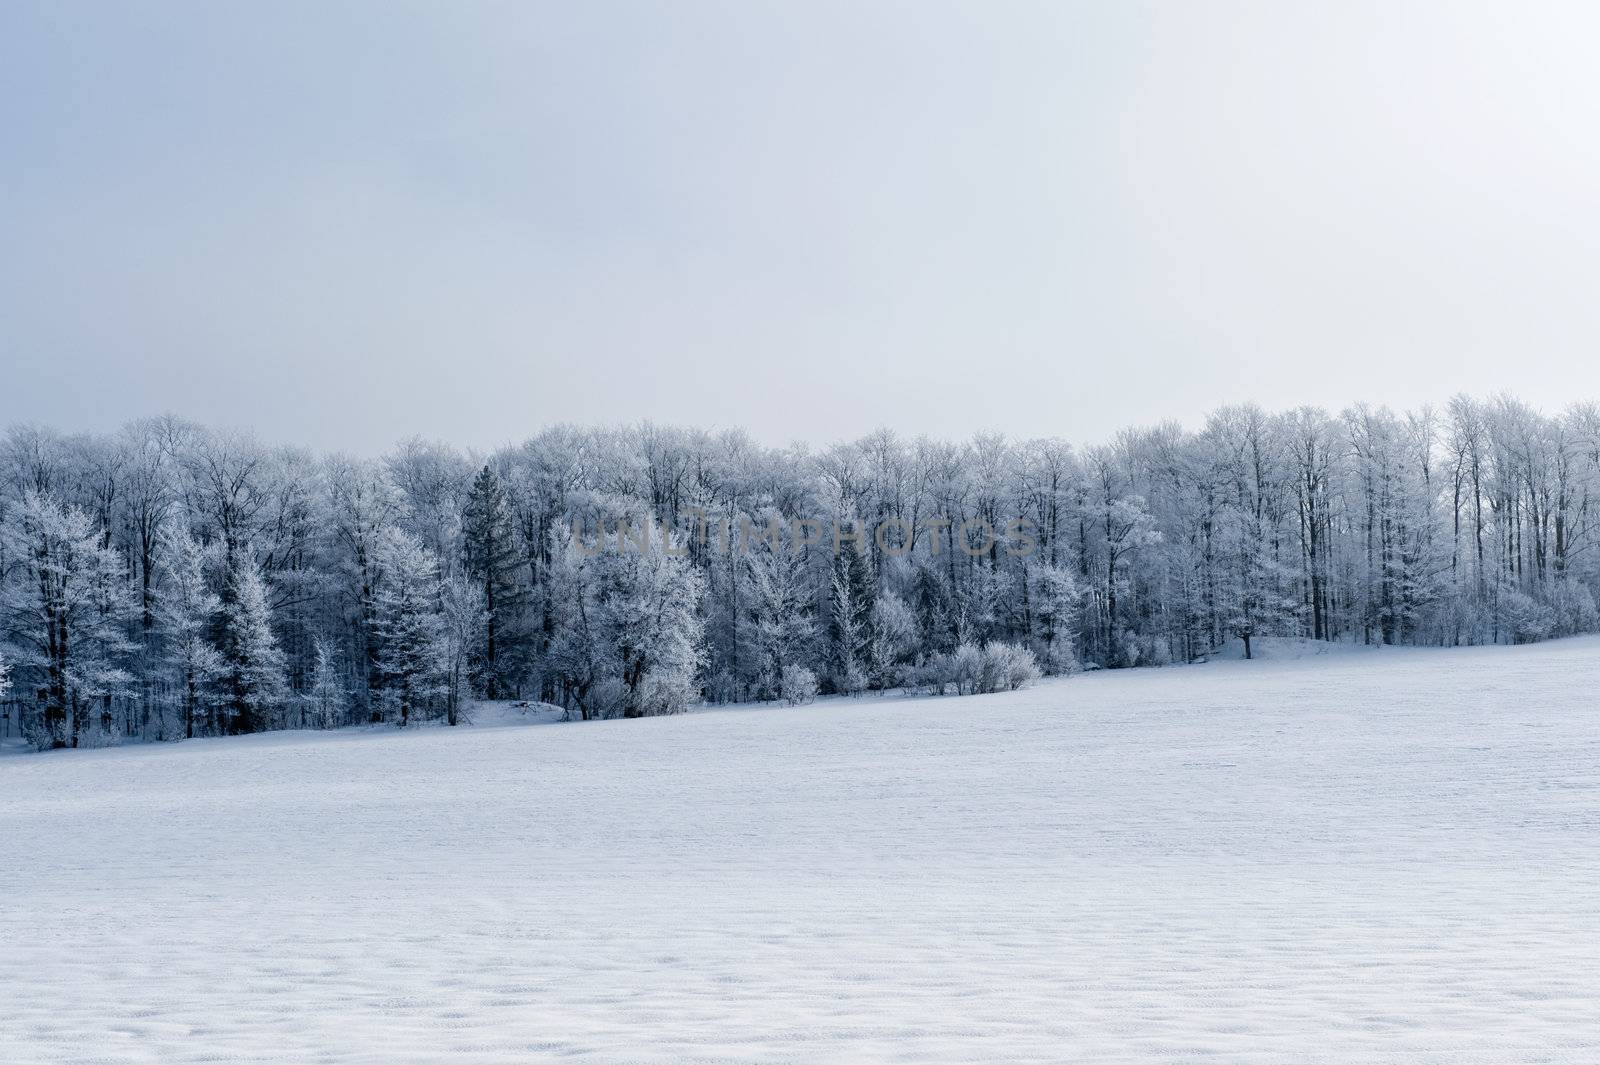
{"x":171,"y":581}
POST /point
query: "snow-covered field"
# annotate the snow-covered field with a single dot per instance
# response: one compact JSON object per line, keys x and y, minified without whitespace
{"x":1360,"y":857}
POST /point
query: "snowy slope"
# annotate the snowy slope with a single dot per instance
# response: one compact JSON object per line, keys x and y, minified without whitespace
{"x":1368,"y":857}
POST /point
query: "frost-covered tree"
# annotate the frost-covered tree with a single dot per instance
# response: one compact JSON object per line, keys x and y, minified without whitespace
{"x":406,"y":624}
{"x":929,"y":598}
{"x":852,"y":600}
{"x":253,"y":662}
{"x":361,"y":508}
{"x":327,"y":699}
{"x":1476,"y":524}
{"x":648,"y":612}
{"x":67,"y":612}
{"x":5,"y":688}
{"x":494,"y":560}
{"x":780,"y":607}
{"x":185,"y":612}
{"x":575,"y":663}
{"x":893,"y":647}
{"x":631,"y":645}
{"x":1117,"y":524}
{"x":1054,"y":598}
{"x":460,"y":620}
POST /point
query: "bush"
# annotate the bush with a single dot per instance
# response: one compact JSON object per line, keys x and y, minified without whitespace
{"x":797,"y":685}
{"x":974,"y":670}
{"x":1008,"y":667}
{"x":668,"y":692}
{"x":723,"y":687}
{"x":608,"y":698}
{"x":931,"y":677}
{"x":1527,"y":618}
{"x":1574,"y":608}
{"x":967,"y":669}
{"x":851,"y":681}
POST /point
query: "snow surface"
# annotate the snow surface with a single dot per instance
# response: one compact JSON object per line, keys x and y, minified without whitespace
{"x":1369,"y":857}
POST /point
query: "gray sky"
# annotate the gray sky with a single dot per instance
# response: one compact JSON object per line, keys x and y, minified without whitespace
{"x":347,"y":223}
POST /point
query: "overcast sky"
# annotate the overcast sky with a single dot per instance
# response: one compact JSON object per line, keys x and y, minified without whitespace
{"x":343,"y":224}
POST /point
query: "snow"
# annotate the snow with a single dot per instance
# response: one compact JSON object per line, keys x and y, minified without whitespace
{"x":1383,"y":856}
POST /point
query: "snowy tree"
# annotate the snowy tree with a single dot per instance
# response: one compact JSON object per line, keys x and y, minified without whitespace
{"x":5,"y":688}
{"x":852,"y":597}
{"x":493,"y":559}
{"x":797,"y":686}
{"x":67,"y":613}
{"x":780,"y":606}
{"x":432,"y":480}
{"x":185,"y":612}
{"x":461,"y":618}
{"x":253,"y":663}
{"x":1475,"y":525}
{"x":361,"y":507}
{"x":406,"y":623}
{"x":631,"y":642}
{"x":893,"y":639}
{"x":1117,"y":525}
{"x":574,"y":661}
{"x":648,"y":615}
{"x":930,"y":600}
{"x":327,"y":699}
{"x":227,"y":489}
{"x":1054,"y":598}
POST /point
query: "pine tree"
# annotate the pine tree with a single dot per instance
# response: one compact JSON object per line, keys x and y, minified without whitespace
{"x":852,"y":599}
{"x":406,"y":622}
{"x":492,"y":560}
{"x":252,"y":659}
{"x":328,"y":697}
{"x":930,"y":602}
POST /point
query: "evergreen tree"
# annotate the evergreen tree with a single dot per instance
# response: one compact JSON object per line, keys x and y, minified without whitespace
{"x":252,"y":659}
{"x":328,"y":698}
{"x":493,"y":559}
{"x":406,"y":622}
{"x":852,"y":599}
{"x":930,"y":601}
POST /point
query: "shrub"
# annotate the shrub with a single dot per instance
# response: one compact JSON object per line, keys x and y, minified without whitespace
{"x":974,"y":670}
{"x":1008,"y":667}
{"x":967,"y":669}
{"x":1574,"y":608}
{"x":670,"y":691}
{"x":1527,"y":618}
{"x":797,"y":685}
{"x":723,"y":687}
